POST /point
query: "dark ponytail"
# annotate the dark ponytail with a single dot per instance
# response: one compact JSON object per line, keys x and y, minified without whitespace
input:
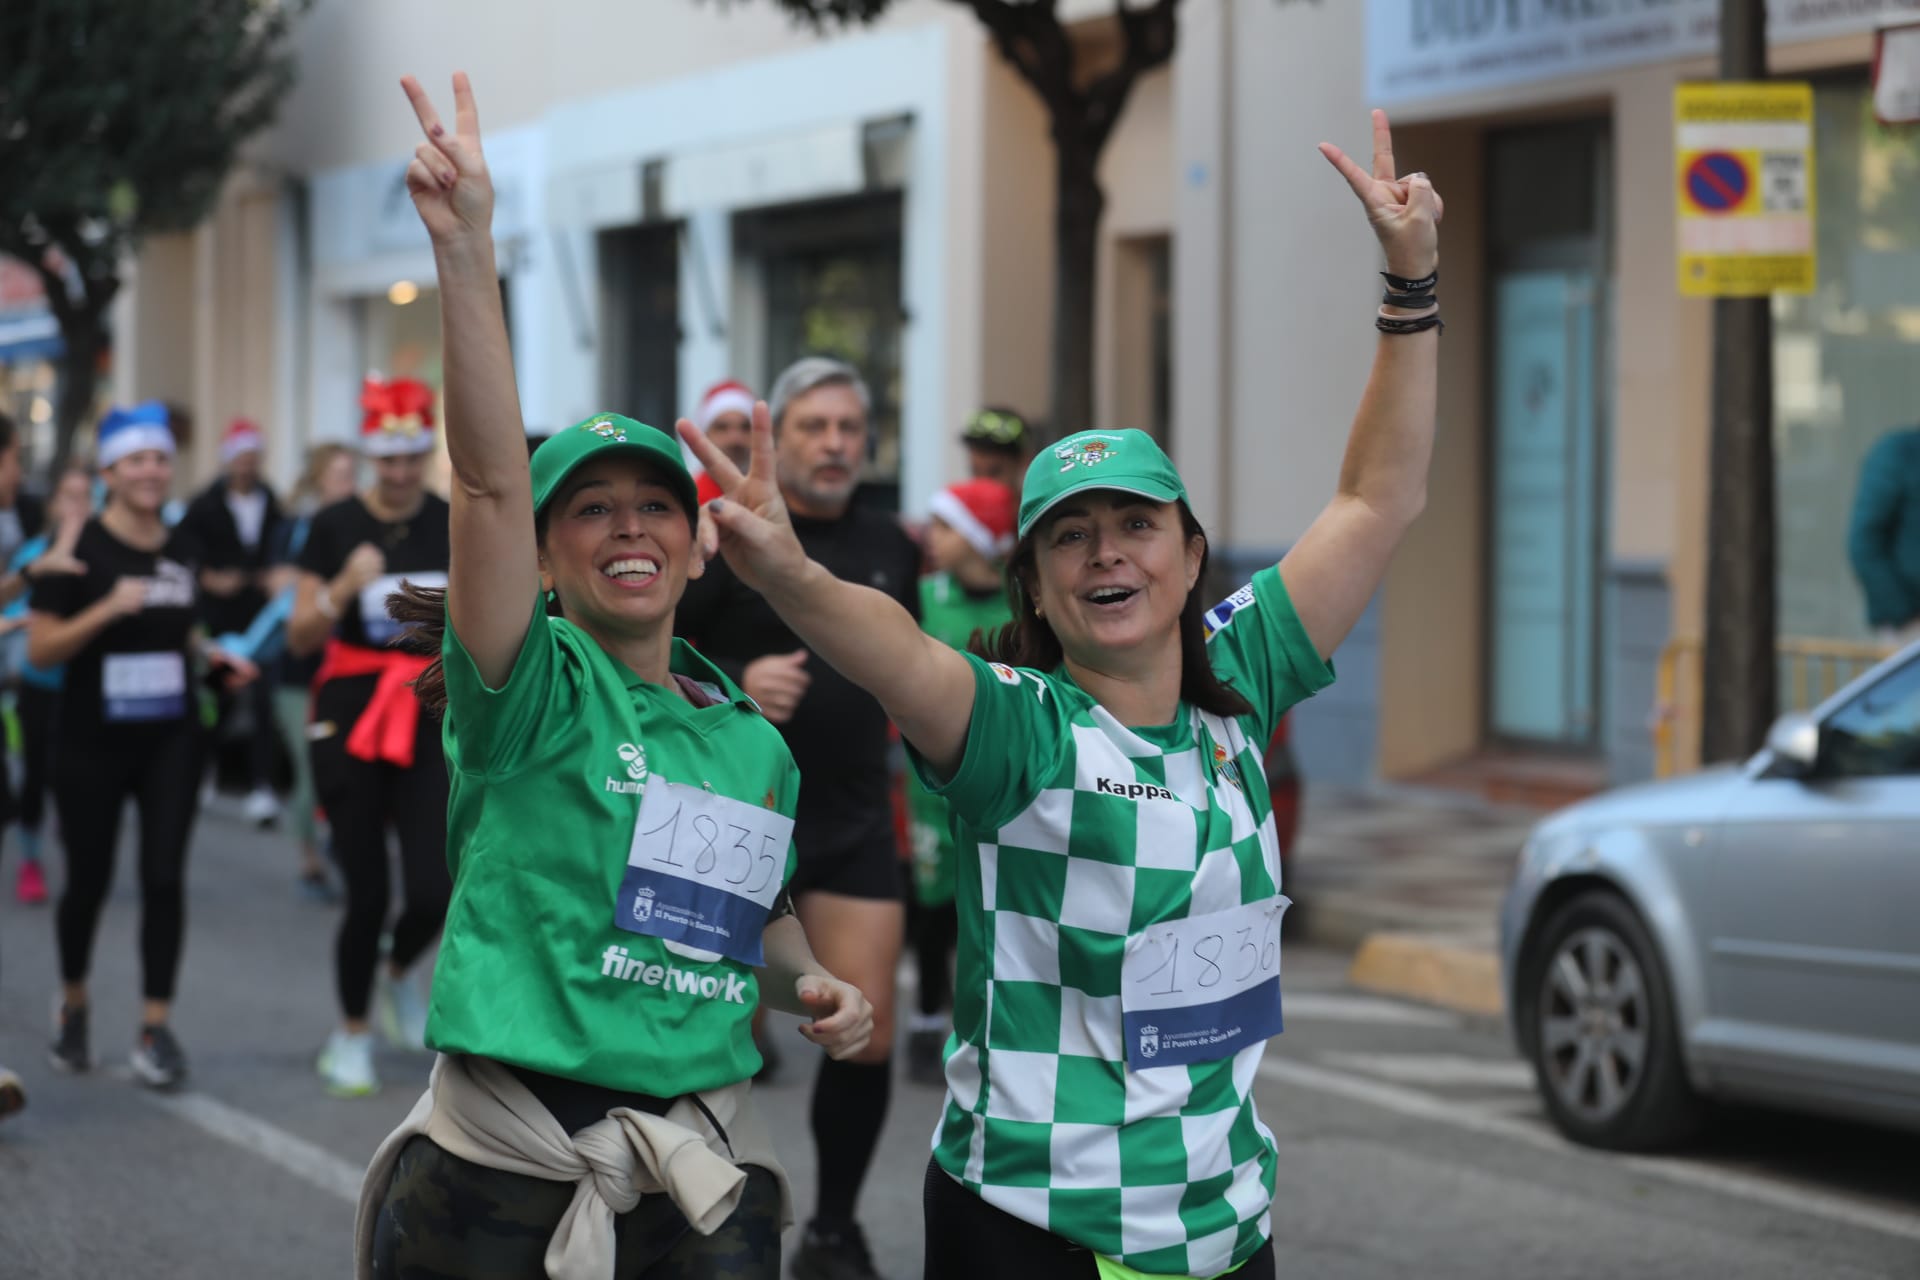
{"x":1029,"y":641}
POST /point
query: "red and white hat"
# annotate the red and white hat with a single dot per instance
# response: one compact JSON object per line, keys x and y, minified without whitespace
{"x":723,"y":398}
{"x":981,"y":511}
{"x":242,"y":437}
{"x":398,"y":417}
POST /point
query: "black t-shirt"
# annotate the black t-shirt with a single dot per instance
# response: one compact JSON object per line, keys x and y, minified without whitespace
{"x":417,"y":551}
{"x":138,"y":672}
{"x":210,"y":520}
{"x":838,"y":734}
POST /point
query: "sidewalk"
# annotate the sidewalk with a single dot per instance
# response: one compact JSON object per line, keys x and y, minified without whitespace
{"x":1412,"y":879}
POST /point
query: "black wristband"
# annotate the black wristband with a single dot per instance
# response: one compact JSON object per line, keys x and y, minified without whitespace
{"x":1403,"y":285}
{"x":1411,"y":301}
{"x":1397,"y":326}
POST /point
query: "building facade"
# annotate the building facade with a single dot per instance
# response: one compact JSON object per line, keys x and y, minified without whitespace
{"x":707,"y":191}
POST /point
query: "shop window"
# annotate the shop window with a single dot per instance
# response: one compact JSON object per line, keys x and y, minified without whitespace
{"x":1847,"y":356}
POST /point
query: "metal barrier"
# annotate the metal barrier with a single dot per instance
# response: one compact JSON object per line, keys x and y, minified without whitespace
{"x":1811,"y":670}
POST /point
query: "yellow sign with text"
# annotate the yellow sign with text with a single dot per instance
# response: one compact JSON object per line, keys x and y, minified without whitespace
{"x":1743,"y":158}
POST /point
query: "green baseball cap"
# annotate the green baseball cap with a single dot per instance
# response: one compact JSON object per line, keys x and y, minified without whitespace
{"x":565,"y":450}
{"x":1128,"y":461}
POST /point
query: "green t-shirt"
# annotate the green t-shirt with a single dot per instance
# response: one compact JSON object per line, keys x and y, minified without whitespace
{"x":950,"y":614}
{"x":548,"y":775}
{"x":1077,"y":833}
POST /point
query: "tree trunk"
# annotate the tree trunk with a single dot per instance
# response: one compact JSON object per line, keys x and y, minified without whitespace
{"x":1076,"y":234}
{"x":1738,"y":667}
{"x":79,"y":373}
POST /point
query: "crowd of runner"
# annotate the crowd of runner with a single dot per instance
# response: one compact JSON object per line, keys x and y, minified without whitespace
{"x":1013,"y":743}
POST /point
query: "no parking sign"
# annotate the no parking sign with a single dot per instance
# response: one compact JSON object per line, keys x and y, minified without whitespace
{"x":1745,"y":191}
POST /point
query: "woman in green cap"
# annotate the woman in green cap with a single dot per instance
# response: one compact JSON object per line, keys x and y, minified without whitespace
{"x":619,"y":831}
{"x":1119,"y":878}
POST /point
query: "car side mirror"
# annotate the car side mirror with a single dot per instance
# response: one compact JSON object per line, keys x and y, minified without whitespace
{"x":1794,"y":742}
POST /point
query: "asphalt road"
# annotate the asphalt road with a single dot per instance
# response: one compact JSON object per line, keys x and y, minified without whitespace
{"x":1411,"y":1143}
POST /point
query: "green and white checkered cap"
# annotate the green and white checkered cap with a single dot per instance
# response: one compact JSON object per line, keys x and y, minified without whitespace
{"x":1128,"y":461}
{"x":564,"y":451}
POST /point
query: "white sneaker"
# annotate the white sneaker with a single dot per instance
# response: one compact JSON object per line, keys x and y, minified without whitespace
{"x":346,"y":1064}
{"x":403,"y":1011}
{"x":262,"y":807}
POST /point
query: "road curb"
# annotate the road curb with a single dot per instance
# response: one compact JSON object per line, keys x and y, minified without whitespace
{"x":1437,"y":971}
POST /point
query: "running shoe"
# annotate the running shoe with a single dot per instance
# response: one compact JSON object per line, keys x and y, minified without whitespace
{"x":837,"y":1252}
{"x":403,"y":1011}
{"x":13,"y":1094}
{"x":926,"y":1048}
{"x":346,"y":1064}
{"x":262,"y":807}
{"x":30,"y":886}
{"x":158,"y":1061}
{"x":315,"y":887}
{"x":69,"y":1052}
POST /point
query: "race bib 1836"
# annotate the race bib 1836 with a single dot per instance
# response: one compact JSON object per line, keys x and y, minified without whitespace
{"x":704,"y":870}
{"x":1202,"y":988}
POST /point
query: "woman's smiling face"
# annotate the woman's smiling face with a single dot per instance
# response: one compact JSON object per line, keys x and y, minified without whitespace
{"x":617,"y":547}
{"x":1113,"y":573}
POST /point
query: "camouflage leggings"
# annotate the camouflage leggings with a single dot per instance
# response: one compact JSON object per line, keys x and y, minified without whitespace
{"x":445,"y":1218}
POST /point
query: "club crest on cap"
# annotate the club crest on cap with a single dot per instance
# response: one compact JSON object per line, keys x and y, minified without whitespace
{"x":606,"y":429}
{"x":1084,"y":452}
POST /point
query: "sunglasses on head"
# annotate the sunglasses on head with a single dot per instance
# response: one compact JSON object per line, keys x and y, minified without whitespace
{"x":1000,"y":428}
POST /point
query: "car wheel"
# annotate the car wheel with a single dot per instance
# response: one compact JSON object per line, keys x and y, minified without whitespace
{"x":1601,"y":1030}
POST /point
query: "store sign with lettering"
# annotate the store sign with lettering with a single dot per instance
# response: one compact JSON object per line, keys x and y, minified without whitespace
{"x":1420,"y":49}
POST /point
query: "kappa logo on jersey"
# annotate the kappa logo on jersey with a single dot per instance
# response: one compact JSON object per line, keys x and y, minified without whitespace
{"x":1086,"y":451}
{"x":1221,"y":614}
{"x":1131,"y":790}
{"x":634,"y":756}
{"x":608,"y":429}
{"x":728,"y":987}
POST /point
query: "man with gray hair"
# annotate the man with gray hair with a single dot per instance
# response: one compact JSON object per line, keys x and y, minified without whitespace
{"x":847,"y":888}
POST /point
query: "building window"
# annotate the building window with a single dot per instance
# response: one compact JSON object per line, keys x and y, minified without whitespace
{"x":831,"y":278}
{"x":1845,"y":355}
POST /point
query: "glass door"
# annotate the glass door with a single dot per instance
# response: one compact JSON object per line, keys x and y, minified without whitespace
{"x":1548,"y":303}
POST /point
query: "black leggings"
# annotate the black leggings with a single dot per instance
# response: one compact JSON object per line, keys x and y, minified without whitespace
{"x":967,"y":1238}
{"x":38,"y":709}
{"x":444,"y":1216}
{"x":935,"y":931}
{"x":92,"y":781}
{"x":361,"y":798}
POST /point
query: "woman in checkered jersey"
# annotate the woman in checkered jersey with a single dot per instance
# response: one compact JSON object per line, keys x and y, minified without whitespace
{"x":1119,"y":891}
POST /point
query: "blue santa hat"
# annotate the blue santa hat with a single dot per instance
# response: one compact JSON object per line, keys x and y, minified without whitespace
{"x":127,"y":431}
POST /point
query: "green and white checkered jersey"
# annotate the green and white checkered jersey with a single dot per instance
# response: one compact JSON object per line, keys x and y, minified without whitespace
{"x":1075,"y":832}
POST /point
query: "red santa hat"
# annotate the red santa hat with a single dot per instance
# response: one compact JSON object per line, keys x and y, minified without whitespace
{"x":723,"y":398}
{"x":398,"y":417}
{"x":242,"y":437}
{"x":981,"y":511}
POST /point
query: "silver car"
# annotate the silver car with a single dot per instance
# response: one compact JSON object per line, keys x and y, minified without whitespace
{"x":1748,"y":932}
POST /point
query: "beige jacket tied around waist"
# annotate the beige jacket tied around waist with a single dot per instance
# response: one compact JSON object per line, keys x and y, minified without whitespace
{"x":478,"y":1110}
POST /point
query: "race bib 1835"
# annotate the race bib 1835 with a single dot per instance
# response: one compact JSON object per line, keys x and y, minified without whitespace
{"x":704,"y":870}
{"x":1202,"y":988}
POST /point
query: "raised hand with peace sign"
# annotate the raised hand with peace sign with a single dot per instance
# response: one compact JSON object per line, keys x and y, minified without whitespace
{"x":448,"y":177}
{"x":1404,"y":212}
